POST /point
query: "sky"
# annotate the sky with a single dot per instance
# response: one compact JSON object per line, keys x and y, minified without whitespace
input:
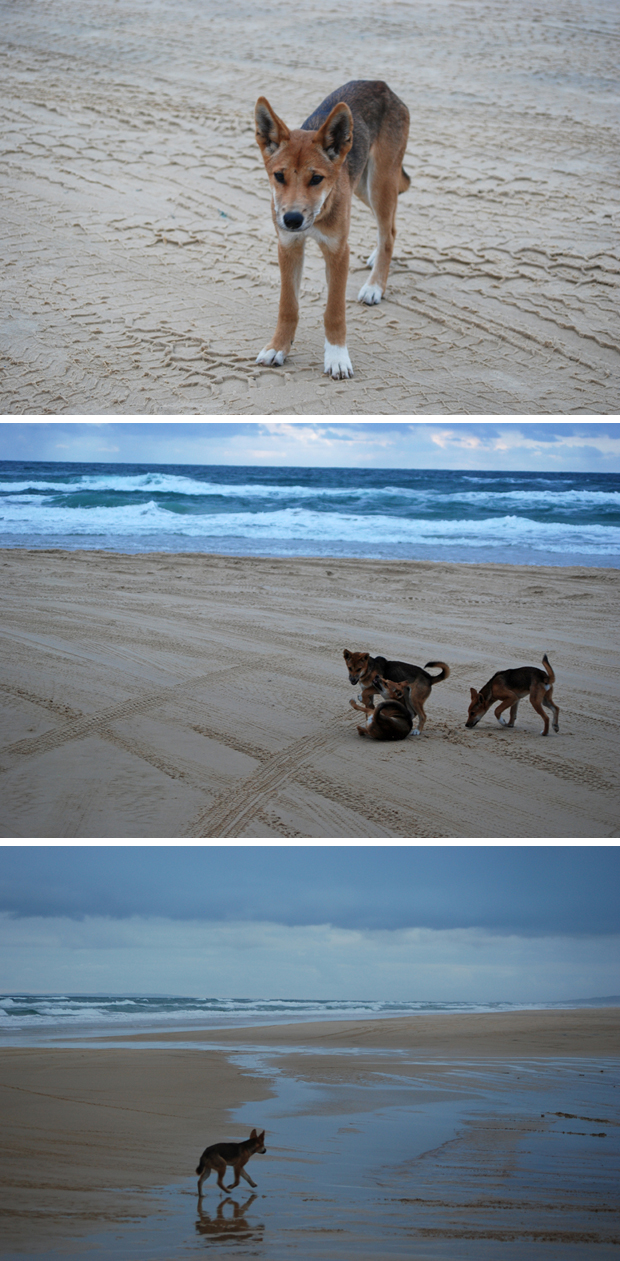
{"x":559,"y":446}
{"x":434,"y":923}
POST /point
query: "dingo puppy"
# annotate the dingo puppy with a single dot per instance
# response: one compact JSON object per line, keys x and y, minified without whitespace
{"x":509,"y":687}
{"x":353,"y":143}
{"x":364,"y":669}
{"x":219,"y":1155}
{"x":411,"y":694}
{"x":390,"y":721}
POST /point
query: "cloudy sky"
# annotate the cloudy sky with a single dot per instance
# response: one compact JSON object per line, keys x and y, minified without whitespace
{"x":438,"y":923}
{"x":578,"y":446}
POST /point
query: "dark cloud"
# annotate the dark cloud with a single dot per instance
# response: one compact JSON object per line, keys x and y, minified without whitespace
{"x":528,"y":891}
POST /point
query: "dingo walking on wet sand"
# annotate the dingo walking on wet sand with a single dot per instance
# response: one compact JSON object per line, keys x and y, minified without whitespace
{"x":219,"y":1155}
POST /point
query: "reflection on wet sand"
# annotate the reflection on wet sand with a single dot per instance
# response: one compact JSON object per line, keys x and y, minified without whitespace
{"x":222,"y":1226}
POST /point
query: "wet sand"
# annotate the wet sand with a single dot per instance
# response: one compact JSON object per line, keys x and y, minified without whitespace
{"x":428,"y":1137}
{"x":142,"y":272}
{"x":189,"y":696}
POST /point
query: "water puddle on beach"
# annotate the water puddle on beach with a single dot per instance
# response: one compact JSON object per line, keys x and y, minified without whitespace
{"x":467,"y":1162}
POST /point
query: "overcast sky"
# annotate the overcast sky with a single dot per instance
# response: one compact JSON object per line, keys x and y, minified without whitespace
{"x":578,"y":446}
{"x":444,"y":923}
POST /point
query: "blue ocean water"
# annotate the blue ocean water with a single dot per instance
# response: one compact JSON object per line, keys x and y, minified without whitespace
{"x":520,"y":518}
{"x":77,"y":1014}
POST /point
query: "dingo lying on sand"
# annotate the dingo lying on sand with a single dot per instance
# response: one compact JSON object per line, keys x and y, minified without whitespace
{"x":509,"y":687}
{"x":411,"y":694}
{"x":354,"y":142}
{"x":389,"y":721}
{"x":219,"y":1155}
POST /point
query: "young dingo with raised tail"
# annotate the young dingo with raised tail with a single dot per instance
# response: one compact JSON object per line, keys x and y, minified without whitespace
{"x":354,"y":142}
{"x":509,"y":687}
{"x":366,"y":672}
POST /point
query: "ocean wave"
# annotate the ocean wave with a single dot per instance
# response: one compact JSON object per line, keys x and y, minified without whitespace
{"x":175,"y":485}
{"x":38,"y":1013}
{"x":303,"y":525}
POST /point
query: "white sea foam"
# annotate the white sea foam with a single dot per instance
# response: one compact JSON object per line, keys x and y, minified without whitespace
{"x":171,"y":484}
{"x":302,"y":525}
{"x":56,"y":1013}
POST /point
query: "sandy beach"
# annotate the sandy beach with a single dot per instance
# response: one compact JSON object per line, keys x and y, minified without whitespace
{"x":428,"y":1137}
{"x":141,"y":268}
{"x":188,"y":696}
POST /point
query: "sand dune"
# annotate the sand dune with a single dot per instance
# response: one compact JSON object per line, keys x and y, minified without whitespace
{"x":142,"y":274}
{"x":194,"y":696}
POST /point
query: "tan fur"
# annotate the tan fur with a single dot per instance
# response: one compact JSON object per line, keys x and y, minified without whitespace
{"x":353,"y":143}
{"x":509,"y":687}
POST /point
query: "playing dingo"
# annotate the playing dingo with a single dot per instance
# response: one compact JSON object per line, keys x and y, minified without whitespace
{"x":365,"y":671}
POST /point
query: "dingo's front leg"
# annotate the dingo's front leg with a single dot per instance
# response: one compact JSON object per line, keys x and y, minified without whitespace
{"x":291,"y":260}
{"x":337,"y":363}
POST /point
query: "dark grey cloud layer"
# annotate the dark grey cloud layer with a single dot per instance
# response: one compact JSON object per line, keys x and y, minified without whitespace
{"x":529,"y":891}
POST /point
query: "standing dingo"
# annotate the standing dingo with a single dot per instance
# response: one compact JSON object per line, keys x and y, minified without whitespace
{"x":353,"y":143}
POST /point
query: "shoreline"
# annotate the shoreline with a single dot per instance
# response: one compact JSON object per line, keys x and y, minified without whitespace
{"x":191,"y":695}
{"x":479,"y":1034}
{"x":107,"y":1139}
{"x":580,"y":564}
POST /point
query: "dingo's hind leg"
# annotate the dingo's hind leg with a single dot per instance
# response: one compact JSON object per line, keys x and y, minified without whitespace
{"x":383,"y":180}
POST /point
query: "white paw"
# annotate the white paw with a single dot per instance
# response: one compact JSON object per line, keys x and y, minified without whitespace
{"x":270,"y":356}
{"x":336,"y":362}
{"x":370,"y":294}
{"x":372,"y":258}
{"x":415,"y":731}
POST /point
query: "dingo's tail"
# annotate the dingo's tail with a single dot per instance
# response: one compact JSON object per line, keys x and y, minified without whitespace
{"x":548,"y":668}
{"x":445,"y":670}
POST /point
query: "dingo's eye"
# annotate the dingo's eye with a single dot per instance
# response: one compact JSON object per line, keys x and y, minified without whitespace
{"x":279,"y":176}
{"x":317,"y":179}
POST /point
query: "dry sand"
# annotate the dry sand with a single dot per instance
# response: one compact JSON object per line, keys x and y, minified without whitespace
{"x":195,"y":696}
{"x":456,"y":1098}
{"x":142,"y":274}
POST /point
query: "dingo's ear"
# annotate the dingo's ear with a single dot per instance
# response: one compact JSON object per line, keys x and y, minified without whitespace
{"x":335,"y":137}
{"x":271,"y":132}
{"x":346,"y":654}
{"x":253,"y":1134}
{"x":474,"y":694}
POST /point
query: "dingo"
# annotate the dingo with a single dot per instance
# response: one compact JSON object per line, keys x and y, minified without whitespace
{"x":389,"y":721}
{"x":509,"y":687}
{"x":219,"y":1155}
{"x":364,"y":669}
{"x":411,"y":693}
{"x":353,"y":143}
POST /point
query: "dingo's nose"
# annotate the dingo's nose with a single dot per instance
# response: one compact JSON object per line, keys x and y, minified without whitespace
{"x":292,"y":220}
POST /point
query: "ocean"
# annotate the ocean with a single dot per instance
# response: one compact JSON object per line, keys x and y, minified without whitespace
{"x":515,"y":518}
{"x":35,"y":1017}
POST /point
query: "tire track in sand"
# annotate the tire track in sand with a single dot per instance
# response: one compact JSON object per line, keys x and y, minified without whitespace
{"x":94,"y":724}
{"x":240,"y":805}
